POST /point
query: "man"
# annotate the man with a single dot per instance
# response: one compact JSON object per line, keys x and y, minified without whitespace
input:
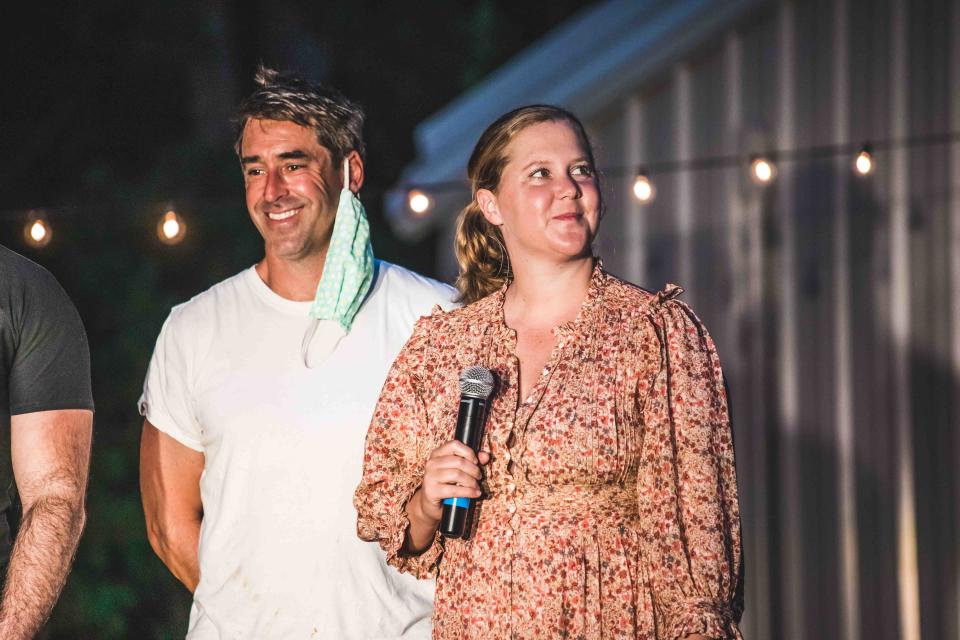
{"x":46,"y":422}
{"x":256,"y":412}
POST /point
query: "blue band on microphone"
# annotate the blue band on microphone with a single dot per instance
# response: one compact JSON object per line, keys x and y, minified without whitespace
{"x":463,"y":503}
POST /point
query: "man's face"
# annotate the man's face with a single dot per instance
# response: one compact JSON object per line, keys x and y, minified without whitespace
{"x":292,"y":188}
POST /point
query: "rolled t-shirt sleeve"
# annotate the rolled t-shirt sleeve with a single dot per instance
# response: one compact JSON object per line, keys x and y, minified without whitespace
{"x":167,"y":391}
{"x":51,"y":368}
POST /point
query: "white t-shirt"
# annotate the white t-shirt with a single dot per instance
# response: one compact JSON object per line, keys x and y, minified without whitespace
{"x":283,"y":446}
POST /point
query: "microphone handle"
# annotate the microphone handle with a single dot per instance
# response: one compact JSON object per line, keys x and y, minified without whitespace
{"x":470,"y":421}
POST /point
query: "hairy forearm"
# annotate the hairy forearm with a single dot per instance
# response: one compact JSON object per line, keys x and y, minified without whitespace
{"x":41,"y":558}
{"x":177,"y":546}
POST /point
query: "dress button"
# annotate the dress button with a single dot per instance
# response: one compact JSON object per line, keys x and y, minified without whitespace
{"x":511,"y":487}
{"x":511,"y":508}
{"x":506,"y":457}
{"x":508,"y":533}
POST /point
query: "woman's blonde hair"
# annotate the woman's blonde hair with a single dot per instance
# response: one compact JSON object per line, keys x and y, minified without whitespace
{"x":481,"y":253}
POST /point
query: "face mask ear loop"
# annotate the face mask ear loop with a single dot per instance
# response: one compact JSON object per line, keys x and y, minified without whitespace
{"x":307,"y":339}
{"x":314,"y":324}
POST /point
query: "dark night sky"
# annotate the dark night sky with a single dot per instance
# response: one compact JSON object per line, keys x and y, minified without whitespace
{"x":117,"y":108}
{"x":104,"y":92}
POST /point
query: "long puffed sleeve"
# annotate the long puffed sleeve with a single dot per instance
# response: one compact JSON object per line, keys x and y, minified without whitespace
{"x":396,"y":450}
{"x":687,"y":484}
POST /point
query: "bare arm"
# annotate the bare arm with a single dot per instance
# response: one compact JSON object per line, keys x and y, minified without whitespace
{"x":170,"y":488}
{"x":50,"y":451}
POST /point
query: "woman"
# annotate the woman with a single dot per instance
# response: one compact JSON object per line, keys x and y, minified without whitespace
{"x":609,"y":500}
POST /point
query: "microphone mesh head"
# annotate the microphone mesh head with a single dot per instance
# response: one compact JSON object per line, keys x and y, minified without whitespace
{"x":476,"y":382}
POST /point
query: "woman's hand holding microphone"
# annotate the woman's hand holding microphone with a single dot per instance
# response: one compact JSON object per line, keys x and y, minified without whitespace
{"x":451,"y":471}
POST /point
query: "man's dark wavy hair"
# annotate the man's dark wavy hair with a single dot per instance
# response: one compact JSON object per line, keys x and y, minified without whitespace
{"x":337,"y":121}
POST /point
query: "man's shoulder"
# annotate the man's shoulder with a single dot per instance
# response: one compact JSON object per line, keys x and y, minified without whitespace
{"x":14,"y":263}
{"x":210,"y":301}
{"x":31,"y":294}
{"x":19,"y":271}
{"x":421,"y":291}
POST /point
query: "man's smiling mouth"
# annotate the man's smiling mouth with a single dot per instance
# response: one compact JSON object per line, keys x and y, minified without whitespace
{"x":283,"y":215}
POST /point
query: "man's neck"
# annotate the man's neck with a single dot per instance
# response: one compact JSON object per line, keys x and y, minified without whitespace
{"x":293,"y":280}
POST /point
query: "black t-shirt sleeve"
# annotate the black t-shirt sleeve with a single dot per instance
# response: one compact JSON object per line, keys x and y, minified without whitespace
{"x":51,"y":368}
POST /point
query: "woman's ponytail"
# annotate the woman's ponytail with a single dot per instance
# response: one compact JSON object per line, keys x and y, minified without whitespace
{"x":481,"y":254}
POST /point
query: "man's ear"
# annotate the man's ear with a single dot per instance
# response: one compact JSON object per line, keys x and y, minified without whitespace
{"x":487,"y":201}
{"x":356,"y":171}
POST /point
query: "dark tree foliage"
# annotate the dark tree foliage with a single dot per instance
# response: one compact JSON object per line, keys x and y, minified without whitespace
{"x":114,"y":110}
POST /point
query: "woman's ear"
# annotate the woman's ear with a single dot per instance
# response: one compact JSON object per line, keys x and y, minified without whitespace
{"x":487,"y":201}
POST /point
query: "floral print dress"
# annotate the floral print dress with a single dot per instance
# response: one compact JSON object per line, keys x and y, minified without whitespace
{"x":610,"y":502}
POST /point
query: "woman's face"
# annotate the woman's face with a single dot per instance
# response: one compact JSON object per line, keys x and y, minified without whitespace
{"x":547,"y":204}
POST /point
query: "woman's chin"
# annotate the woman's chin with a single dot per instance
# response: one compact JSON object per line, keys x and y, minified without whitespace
{"x":572,"y":254}
{"x":573,"y":247}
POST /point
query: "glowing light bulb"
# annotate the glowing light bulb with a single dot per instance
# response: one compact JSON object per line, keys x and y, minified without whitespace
{"x":762,"y":171}
{"x":863,"y":164}
{"x":643,"y":189}
{"x":419,"y":202}
{"x":171,"y":228}
{"x":37,"y":232}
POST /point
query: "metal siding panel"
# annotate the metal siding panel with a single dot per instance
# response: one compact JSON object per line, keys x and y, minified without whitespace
{"x":849,"y":626}
{"x":663,"y":245}
{"x":952,"y":597}
{"x":900,"y":331}
{"x":788,"y":400}
{"x":756,"y":98}
{"x":635,"y":212}
{"x":929,"y":373}
{"x":609,"y":141}
{"x":812,"y":219}
{"x":711,"y":276}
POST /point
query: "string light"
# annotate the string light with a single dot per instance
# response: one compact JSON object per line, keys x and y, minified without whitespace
{"x":171,"y":229}
{"x":37,"y":232}
{"x":863,"y":164}
{"x":762,"y":170}
{"x":419,"y":202}
{"x":643,"y":189}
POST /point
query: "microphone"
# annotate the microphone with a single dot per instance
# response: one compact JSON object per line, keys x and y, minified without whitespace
{"x":476,"y":385}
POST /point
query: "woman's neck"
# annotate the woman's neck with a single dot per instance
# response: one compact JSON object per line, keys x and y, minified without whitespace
{"x":543,"y":295}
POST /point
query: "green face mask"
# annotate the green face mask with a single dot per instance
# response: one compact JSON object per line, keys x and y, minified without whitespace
{"x":347,"y":277}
